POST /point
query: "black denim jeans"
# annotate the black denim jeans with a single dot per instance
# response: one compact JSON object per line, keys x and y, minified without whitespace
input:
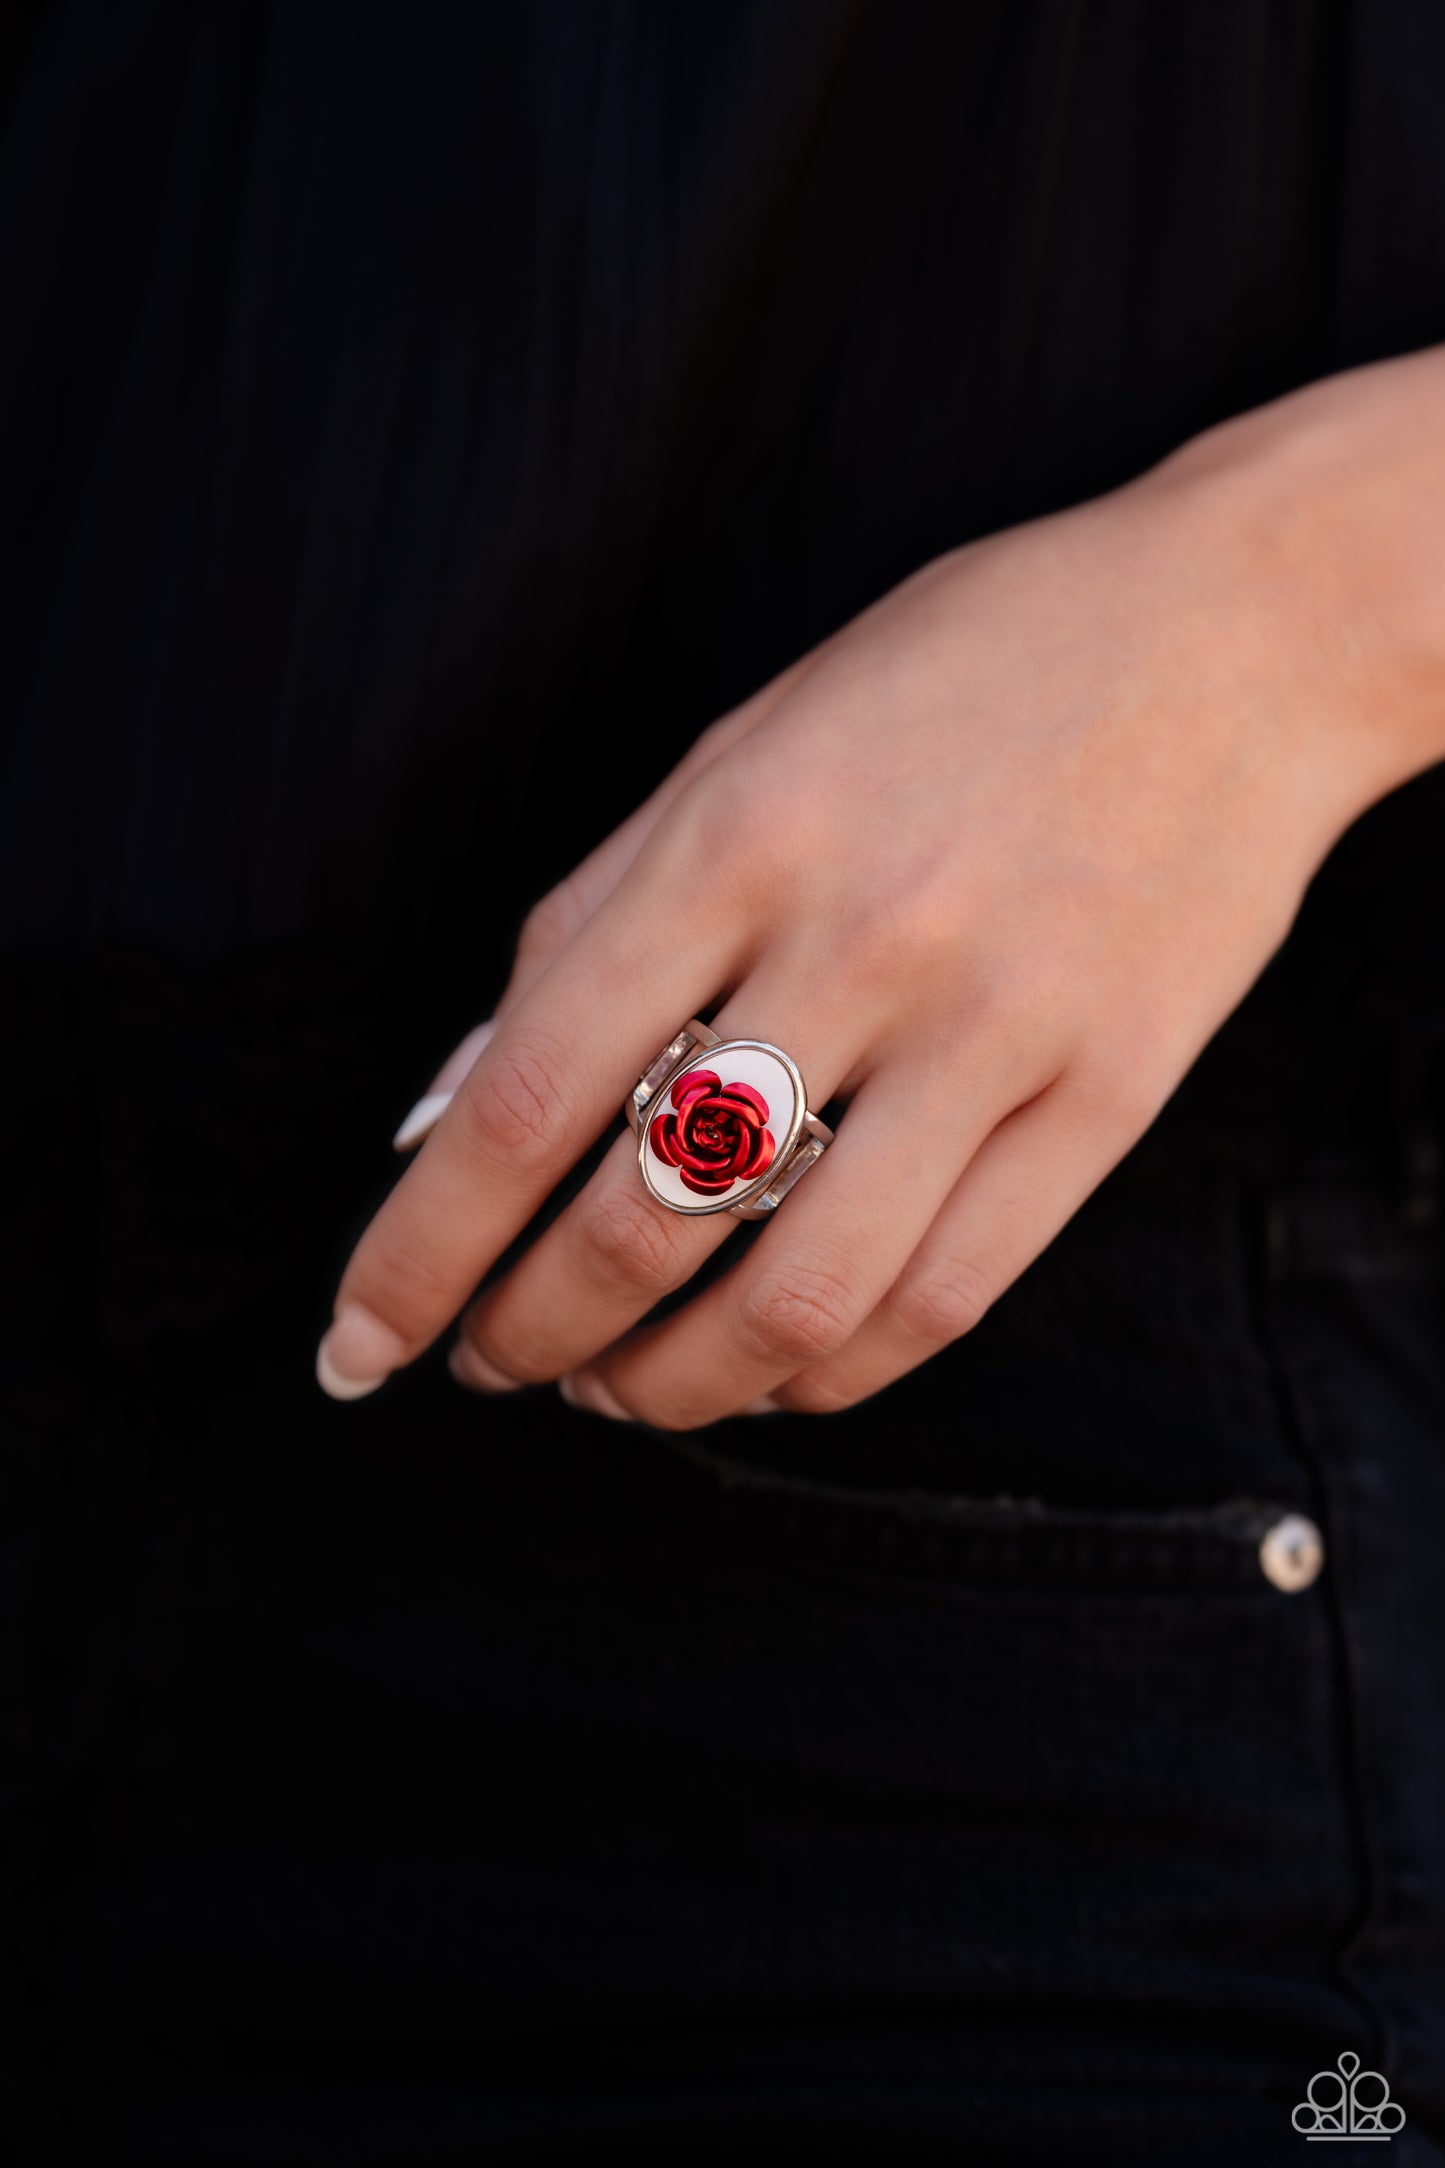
{"x":434,"y":1780}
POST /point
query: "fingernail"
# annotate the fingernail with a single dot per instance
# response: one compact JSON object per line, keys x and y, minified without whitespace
{"x":469,"y":1366}
{"x":427,"y":1112}
{"x":424,"y":1116}
{"x":582,"y":1390}
{"x":357,"y":1353}
{"x":460,"y":1059}
{"x":766,"y":1406}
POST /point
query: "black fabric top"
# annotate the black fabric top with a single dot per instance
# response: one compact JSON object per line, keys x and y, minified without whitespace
{"x":416,"y":423}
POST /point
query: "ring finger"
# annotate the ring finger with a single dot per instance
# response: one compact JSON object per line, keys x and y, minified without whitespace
{"x":615,"y":1251}
{"x":799,"y":1293}
{"x":805,"y":1290}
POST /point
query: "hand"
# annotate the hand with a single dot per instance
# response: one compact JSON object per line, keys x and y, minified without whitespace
{"x":993,"y":864}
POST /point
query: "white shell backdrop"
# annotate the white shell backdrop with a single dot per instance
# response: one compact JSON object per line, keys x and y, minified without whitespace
{"x":738,"y":1065}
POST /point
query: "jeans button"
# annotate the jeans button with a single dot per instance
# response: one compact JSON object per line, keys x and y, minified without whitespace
{"x":1292,"y":1553}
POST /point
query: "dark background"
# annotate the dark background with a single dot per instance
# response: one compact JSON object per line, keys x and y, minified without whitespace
{"x":415,"y":424}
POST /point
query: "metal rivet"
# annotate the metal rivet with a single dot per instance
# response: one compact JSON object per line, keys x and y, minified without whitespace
{"x":1292,"y":1553}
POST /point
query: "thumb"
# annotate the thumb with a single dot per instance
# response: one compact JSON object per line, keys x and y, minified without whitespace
{"x":565,"y":909}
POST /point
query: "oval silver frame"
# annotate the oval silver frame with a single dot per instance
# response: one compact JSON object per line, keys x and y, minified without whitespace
{"x":705,"y":1057}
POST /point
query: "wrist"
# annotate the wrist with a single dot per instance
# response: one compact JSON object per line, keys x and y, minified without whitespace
{"x":1324,"y":507}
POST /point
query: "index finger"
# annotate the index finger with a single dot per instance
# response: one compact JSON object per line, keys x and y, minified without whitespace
{"x":557,"y":1070}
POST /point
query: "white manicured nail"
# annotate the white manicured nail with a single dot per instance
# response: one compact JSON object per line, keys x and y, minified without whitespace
{"x":460,"y":1059}
{"x":329,"y":1378}
{"x":469,"y":1366}
{"x":424,"y":1116}
{"x":427,"y":1112}
{"x":357,"y":1353}
{"x":580,"y":1390}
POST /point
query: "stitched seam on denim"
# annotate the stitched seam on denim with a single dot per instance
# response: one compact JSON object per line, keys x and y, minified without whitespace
{"x":998,"y":1539}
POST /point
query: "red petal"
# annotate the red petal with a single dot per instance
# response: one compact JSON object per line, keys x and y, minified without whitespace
{"x":762,"y":1157}
{"x":712,"y":1107}
{"x":693,"y":1084}
{"x":695,"y":1151}
{"x":662,"y":1136}
{"x":742,"y":1149}
{"x":726,"y":1112}
{"x":702,"y":1131}
{"x":711,"y":1185}
{"x":749,"y":1098}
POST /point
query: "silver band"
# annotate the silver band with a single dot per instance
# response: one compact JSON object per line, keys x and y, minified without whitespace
{"x":763,"y":1085}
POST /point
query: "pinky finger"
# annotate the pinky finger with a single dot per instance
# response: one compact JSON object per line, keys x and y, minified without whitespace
{"x":1022,"y":1186}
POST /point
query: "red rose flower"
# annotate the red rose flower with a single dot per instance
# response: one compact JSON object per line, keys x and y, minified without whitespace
{"x":717,"y":1136}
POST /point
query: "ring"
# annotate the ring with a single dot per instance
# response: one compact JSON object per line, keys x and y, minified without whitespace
{"x":723,"y":1124}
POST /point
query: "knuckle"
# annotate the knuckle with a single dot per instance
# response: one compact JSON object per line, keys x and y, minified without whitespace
{"x":515,"y":1105}
{"x":552,"y":921}
{"x":900,"y":925}
{"x":1121,"y":1099}
{"x":796,"y":1316}
{"x":626,"y":1240}
{"x":720,"y":733}
{"x":724,"y":798}
{"x":717,"y":815}
{"x":940,"y":1302}
{"x":1003,"y":1009}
